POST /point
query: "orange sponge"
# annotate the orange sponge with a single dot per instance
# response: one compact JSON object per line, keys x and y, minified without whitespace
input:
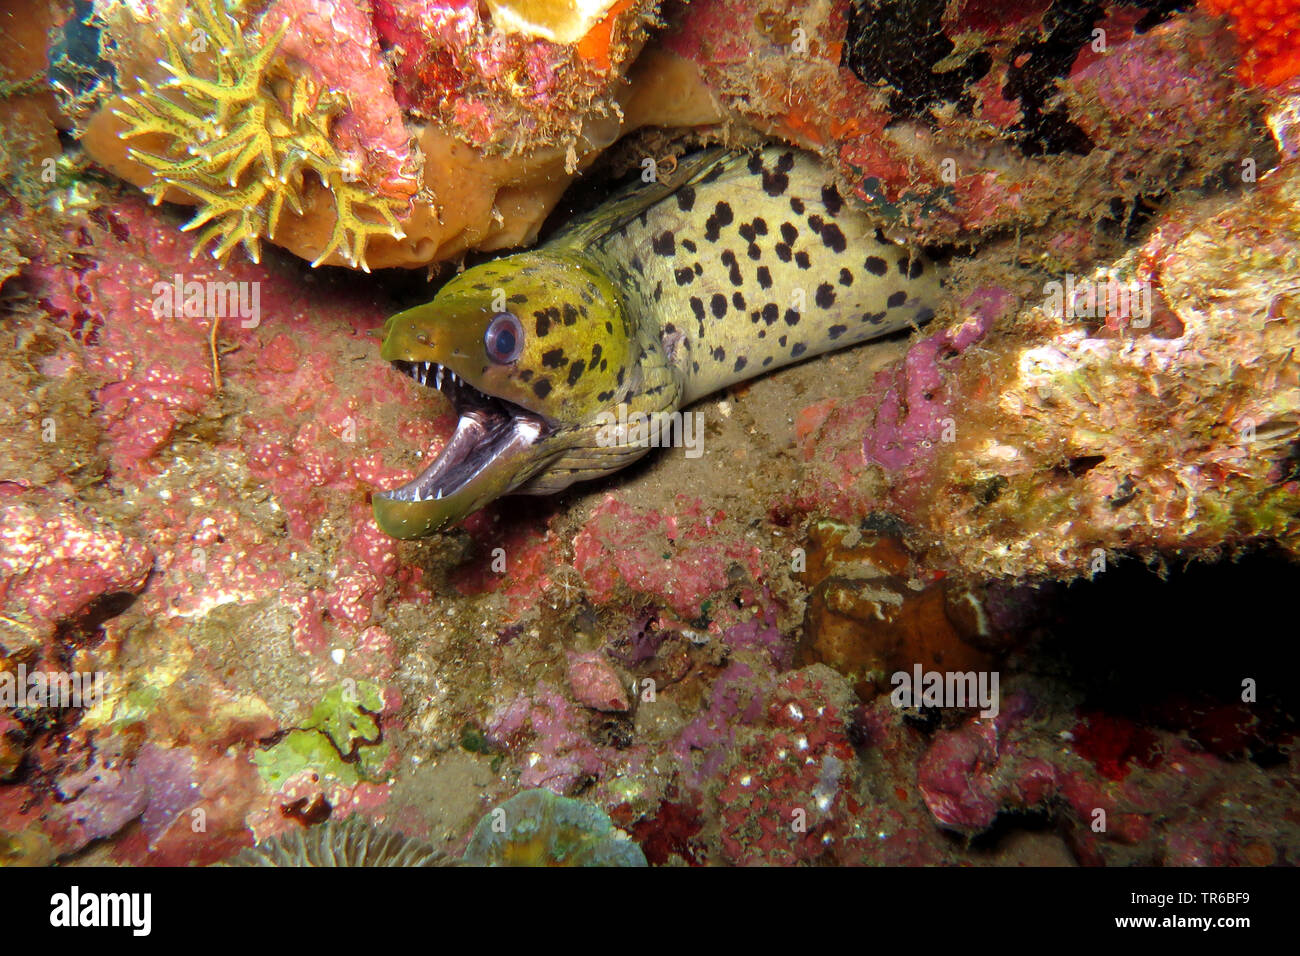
{"x":1269,"y":34}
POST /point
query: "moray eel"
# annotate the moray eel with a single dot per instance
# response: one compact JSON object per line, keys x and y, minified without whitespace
{"x":663,"y":294}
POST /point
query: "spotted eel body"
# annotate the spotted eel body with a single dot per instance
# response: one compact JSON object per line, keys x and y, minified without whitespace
{"x":662,"y":295}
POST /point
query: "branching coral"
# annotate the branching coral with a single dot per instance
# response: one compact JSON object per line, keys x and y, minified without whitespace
{"x":244,"y":141}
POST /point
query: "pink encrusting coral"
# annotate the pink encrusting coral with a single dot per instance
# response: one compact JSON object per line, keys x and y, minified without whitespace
{"x":678,"y":558}
{"x":57,"y":559}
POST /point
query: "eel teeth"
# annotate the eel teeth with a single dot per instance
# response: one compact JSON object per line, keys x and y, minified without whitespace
{"x":431,"y":374}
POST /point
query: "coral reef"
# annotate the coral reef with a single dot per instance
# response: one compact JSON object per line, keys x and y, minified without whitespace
{"x":1039,"y":472}
{"x":1096,"y":504}
{"x":400,"y":133}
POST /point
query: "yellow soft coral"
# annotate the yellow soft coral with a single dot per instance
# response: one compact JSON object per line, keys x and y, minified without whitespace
{"x":242,"y":142}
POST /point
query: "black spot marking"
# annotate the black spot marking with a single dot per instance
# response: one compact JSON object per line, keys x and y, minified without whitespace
{"x":543,"y":323}
{"x":788,"y":232}
{"x":689,"y":245}
{"x":799,"y":349}
{"x":755,"y":164}
{"x":815,"y":223}
{"x":699,"y":269}
{"x":517,"y":299}
{"x":775,"y":183}
{"x":554,"y":358}
{"x":596,"y":351}
{"x":896,"y":299}
{"x":781,"y":341}
{"x":797,"y":205}
{"x":833,"y":238}
{"x":785,"y":162}
{"x":746,"y":232}
{"x":605,"y":396}
{"x":924,"y":314}
{"x":770,"y":313}
{"x":718,"y":305}
{"x":719,"y":354}
{"x":686,"y":199}
{"x":733,"y":268}
{"x":684,"y":276}
{"x":755,"y":316}
{"x":575,"y":372}
{"x":835,"y":331}
{"x":542,"y":387}
{"x":526,"y":374}
{"x":876,"y":265}
{"x":570,"y":314}
{"x":722,"y":216}
{"x":783,"y":252}
{"x":621,"y":372}
{"x":846,"y":278}
{"x":609,"y":328}
{"x":659,"y":291}
{"x":791,"y":317}
{"x":697,"y":306}
{"x":802,"y":261}
{"x":664,"y":244}
{"x":767,"y":361}
{"x":764,"y":278}
{"x":916,"y":268}
{"x":875,"y":318}
{"x":755,"y":253}
{"x":738,"y":301}
{"x":825,"y":296}
{"x":740,"y":364}
{"x":831,"y":200}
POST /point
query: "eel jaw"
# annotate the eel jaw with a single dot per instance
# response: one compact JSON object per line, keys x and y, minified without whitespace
{"x":488,"y":455}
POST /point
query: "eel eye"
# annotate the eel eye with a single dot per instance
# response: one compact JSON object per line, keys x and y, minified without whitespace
{"x":504,"y":339}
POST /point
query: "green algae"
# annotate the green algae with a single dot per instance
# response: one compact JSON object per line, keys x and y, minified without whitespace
{"x":341,"y":740}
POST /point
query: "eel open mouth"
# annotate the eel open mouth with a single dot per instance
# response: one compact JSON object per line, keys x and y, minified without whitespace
{"x":473,"y":467}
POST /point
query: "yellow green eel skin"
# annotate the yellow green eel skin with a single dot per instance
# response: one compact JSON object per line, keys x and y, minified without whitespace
{"x":663,"y":294}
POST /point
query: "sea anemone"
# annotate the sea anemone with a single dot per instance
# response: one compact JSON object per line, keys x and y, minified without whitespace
{"x":351,"y":842}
